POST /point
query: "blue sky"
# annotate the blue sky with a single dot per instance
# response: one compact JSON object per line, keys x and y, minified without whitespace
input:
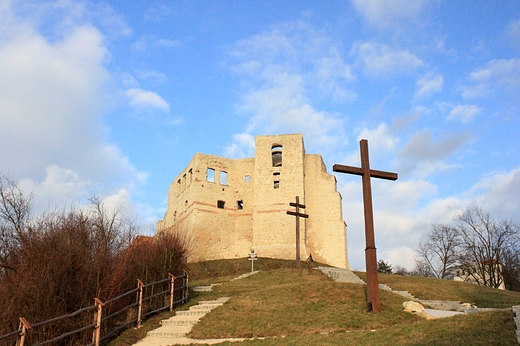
{"x":114,"y":98}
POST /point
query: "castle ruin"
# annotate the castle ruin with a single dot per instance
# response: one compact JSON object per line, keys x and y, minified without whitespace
{"x":225,"y":207}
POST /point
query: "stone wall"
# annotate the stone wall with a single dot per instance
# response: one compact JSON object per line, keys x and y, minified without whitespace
{"x":225,"y":207}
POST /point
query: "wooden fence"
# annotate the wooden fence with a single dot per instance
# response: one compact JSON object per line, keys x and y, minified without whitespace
{"x":103,"y":320}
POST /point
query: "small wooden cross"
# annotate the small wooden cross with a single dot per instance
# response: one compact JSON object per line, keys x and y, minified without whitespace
{"x":298,"y":215}
{"x":366,"y":173}
{"x":252,"y":257}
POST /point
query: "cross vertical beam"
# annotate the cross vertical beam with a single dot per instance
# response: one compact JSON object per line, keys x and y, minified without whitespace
{"x":373,"y":302}
{"x":298,"y":215}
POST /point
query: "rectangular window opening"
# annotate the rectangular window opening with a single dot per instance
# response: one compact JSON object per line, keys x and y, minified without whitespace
{"x":223,"y":178}
{"x":247,"y":178}
{"x":220,"y":204}
{"x":276,"y":180}
{"x":240,"y":205}
{"x":211,"y":175}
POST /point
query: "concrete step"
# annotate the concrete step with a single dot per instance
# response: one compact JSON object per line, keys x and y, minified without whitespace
{"x":181,"y":321}
{"x":216,"y":301}
{"x":245,"y":275}
{"x":405,"y":294}
{"x":170,"y":331}
{"x":192,"y":312}
{"x":206,"y":306}
{"x":341,"y":275}
{"x":203,"y":288}
{"x":385,"y":287}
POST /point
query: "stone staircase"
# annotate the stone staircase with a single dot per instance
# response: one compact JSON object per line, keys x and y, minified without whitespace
{"x":178,"y":326}
{"x":174,"y":330}
{"x":344,"y":275}
{"x":208,"y":288}
{"x":341,"y":275}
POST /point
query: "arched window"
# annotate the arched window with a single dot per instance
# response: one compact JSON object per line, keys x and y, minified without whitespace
{"x":276,"y":153}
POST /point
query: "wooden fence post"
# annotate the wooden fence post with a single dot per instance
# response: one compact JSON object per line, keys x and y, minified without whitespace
{"x":185,"y":290}
{"x":172,"y":290}
{"x":140,"y":286}
{"x":23,"y":328}
{"x":96,"y":335}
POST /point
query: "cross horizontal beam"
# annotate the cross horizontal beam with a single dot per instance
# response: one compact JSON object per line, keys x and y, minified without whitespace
{"x":299,"y":205}
{"x":359,"y":171}
{"x":293,"y":213}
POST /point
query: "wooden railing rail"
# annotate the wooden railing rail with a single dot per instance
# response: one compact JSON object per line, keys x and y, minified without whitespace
{"x":150,"y":298}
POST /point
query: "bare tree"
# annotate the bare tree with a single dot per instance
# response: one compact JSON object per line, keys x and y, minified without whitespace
{"x":439,"y":254}
{"x":422,"y":269}
{"x":486,"y":244}
{"x":511,"y":268}
{"x":15,"y":210}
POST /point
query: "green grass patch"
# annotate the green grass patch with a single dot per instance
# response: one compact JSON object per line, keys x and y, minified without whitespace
{"x":210,"y":272}
{"x":435,"y":289}
{"x":290,"y":302}
{"x":486,"y":328}
{"x":285,"y":306}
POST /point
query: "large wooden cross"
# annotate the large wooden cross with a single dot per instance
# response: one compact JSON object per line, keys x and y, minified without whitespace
{"x":298,"y":215}
{"x":366,"y":173}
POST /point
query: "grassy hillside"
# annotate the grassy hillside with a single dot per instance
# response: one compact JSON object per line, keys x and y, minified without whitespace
{"x":290,"y":307}
{"x":435,"y":289}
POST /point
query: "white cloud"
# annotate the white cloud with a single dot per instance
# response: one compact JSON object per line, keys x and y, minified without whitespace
{"x":423,"y":154}
{"x":423,"y":146}
{"x":284,"y":71}
{"x":151,"y":75}
{"x":243,"y":146}
{"x":499,"y":194}
{"x":61,"y":186}
{"x":53,"y":93}
{"x":399,"y":256}
{"x":499,"y":75}
{"x":381,"y":140}
{"x":381,"y":60}
{"x":120,"y":202}
{"x":64,"y":188}
{"x":281,"y":108}
{"x":464,"y":113}
{"x":140,"y":99}
{"x":145,"y":42}
{"x":382,"y":13}
{"x":429,"y":84}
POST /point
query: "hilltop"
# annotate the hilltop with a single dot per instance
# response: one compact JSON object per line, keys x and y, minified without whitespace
{"x":285,"y":306}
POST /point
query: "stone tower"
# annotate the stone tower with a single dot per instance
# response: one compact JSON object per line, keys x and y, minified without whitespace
{"x":226,"y":207}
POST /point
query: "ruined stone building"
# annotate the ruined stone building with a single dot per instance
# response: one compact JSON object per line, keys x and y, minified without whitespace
{"x":226,"y":207}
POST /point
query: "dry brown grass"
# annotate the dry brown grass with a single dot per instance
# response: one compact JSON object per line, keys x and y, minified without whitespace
{"x":289,"y":302}
{"x":435,"y":289}
{"x":290,"y":307}
{"x":487,"y":328}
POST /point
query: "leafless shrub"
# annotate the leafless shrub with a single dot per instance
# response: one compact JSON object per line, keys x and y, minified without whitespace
{"x":56,"y":263}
